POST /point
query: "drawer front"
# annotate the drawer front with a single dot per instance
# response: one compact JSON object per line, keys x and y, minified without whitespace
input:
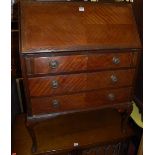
{"x":64,"y":84}
{"x":87,"y":100}
{"x":57,"y":64}
{"x":113,"y":60}
{"x":64,"y":64}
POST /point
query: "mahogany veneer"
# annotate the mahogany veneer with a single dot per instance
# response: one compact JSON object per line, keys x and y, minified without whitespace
{"x":74,"y":61}
{"x":43,"y":86}
{"x":83,"y":62}
{"x":78,"y":101}
{"x":61,"y":26}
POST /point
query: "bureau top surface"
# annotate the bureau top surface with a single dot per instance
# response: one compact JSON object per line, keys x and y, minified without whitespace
{"x":72,"y":26}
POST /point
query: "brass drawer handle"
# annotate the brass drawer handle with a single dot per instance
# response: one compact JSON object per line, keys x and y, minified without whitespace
{"x":55,"y":84}
{"x":114,"y":78}
{"x":116,"y":60}
{"x":55,"y":104}
{"x":54,"y":64}
{"x":111,"y":96}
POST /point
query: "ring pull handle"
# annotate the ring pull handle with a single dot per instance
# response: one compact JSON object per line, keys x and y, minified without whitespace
{"x":55,"y":104}
{"x":55,"y":84}
{"x":111,"y":96}
{"x":114,"y":78}
{"x":54,"y":64}
{"x":116,"y":60}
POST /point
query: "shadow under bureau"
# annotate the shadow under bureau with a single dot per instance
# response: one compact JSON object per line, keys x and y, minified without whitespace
{"x":77,"y":56}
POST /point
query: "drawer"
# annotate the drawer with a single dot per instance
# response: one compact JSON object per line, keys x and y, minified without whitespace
{"x":64,"y":84}
{"x":87,"y":100}
{"x":74,"y":63}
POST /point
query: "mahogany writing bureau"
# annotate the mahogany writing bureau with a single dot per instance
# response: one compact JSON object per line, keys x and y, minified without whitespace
{"x":77,"y":56}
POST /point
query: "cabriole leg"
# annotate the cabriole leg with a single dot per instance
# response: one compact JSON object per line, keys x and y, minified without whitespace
{"x":30,"y":128}
{"x":125,"y":117}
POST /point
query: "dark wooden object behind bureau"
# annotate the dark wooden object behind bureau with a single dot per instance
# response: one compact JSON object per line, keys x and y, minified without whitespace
{"x":74,"y":61}
{"x":99,"y":133}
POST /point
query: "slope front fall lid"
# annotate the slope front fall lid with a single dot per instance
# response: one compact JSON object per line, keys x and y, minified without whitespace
{"x":71,"y":26}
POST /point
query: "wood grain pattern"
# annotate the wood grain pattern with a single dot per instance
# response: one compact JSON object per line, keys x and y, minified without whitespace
{"x":86,"y":100}
{"x":105,"y":61}
{"x":60,"y":26}
{"x":42,"y":86}
{"x":41,"y":65}
{"x":83,"y":62}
